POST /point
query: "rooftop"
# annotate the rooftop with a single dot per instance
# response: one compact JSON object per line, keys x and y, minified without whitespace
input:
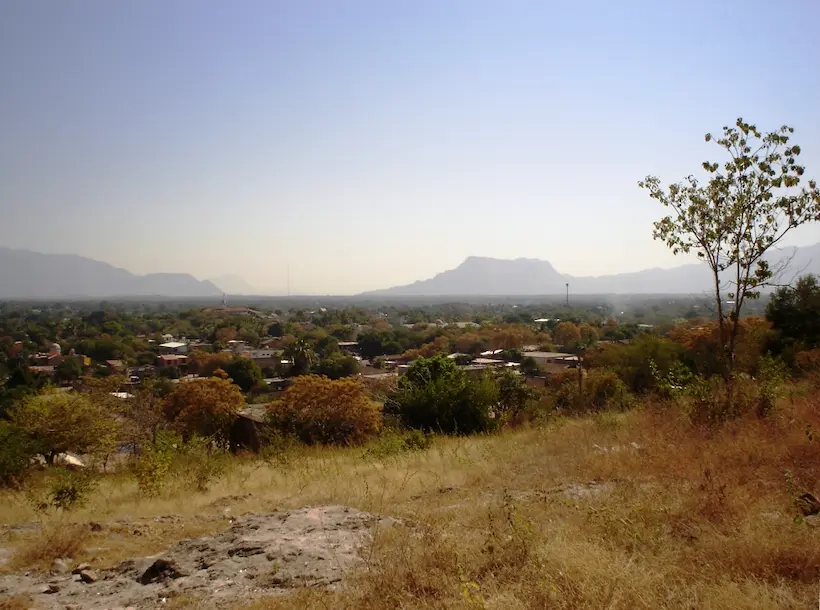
{"x":173,"y":344}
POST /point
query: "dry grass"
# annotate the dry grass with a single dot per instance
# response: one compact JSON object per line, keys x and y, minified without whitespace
{"x":16,"y":602}
{"x":54,"y":541}
{"x":695,"y":518}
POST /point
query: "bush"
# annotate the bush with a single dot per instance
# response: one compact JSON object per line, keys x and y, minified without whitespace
{"x":71,"y":488}
{"x":320,"y":410}
{"x":435,"y":395}
{"x":637,"y":364}
{"x":394,"y":443}
{"x":65,"y":490}
{"x":205,"y":407}
{"x":601,"y":389}
{"x":198,"y":463}
{"x":154,"y":462}
{"x":57,"y":422}
{"x":16,"y":451}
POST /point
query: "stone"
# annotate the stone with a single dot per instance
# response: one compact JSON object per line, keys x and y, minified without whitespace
{"x":60,"y":566}
{"x":81,"y":567}
{"x":51,"y":588}
{"x":89,"y":576}
{"x":161,"y":569}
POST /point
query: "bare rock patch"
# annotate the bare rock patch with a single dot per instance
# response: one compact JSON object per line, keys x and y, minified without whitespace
{"x":257,"y":555}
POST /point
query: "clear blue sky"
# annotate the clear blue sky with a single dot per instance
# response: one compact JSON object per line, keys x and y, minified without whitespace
{"x":372,"y":143}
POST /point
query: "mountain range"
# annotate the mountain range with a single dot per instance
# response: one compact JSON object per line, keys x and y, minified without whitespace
{"x":30,"y":275}
{"x":234,"y":284}
{"x":479,"y":275}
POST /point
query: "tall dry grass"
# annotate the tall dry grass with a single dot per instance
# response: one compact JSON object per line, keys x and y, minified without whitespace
{"x":634,"y":510}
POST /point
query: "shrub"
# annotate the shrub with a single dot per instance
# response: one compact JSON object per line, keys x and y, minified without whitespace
{"x":71,"y":488}
{"x":64,"y":490}
{"x":16,"y":451}
{"x":394,"y":443}
{"x":205,"y":407}
{"x":320,"y":410}
{"x":435,"y":395}
{"x":600,"y":389}
{"x":514,"y":396}
{"x":638,"y":363}
{"x":245,"y":373}
{"x":197,"y":464}
{"x":154,"y":462}
{"x":57,"y":422}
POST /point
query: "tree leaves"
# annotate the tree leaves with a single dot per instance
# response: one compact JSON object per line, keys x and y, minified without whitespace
{"x":740,"y":213}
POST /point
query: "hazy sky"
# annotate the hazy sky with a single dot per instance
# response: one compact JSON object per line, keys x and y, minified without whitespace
{"x":374,"y":143}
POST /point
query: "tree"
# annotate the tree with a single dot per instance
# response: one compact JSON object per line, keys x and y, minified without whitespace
{"x":301,"y":354}
{"x":69,"y":369}
{"x":245,"y":373}
{"x":566,"y":334}
{"x":205,"y":407}
{"x":513,"y":395}
{"x":336,"y":366}
{"x":795,"y":315}
{"x":746,"y":208}
{"x":204,"y":364}
{"x":436,"y":395}
{"x":320,"y":410}
{"x":589,"y":334}
{"x":57,"y":422}
{"x":144,"y":414}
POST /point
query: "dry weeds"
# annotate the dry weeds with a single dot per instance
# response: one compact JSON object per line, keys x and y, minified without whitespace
{"x":683,"y":518}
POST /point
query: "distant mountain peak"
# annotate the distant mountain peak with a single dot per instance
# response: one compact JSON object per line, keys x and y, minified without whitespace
{"x":231,"y":283}
{"x":483,"y":275}
{"x":32,"y":275}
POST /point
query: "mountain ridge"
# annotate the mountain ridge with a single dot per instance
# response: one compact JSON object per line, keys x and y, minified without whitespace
{"x":25,"y":274}
{"x":482,"y":275}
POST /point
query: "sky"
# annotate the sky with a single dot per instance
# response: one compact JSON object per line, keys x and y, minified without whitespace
{"x":364,"y":144}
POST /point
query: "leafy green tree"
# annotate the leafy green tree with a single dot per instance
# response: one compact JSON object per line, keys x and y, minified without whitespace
{"x":745,"y":208}
{"x":69,"y":369}
{"x":245,"y":373}
{"x":336,"y":366}
{"x":794,"y":312}
{"x":276,"y":330}
{"x":22,"y":382}
{"x":513,"y":395}
{"x":301,"y":354}
{"x":436,"y":395}
{"x":57,"y":422}
{"x":16,"y":451}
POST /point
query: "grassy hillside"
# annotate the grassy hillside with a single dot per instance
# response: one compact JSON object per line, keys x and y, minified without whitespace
{"x":632,"y":510}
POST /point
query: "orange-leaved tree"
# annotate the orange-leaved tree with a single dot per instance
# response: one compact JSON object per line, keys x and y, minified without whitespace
{"x":205,"y":407}
{"x":319,"y":410}
{"x":566,"y":334}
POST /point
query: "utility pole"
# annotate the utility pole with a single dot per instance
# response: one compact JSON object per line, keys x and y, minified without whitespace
{"x":567,"y":294}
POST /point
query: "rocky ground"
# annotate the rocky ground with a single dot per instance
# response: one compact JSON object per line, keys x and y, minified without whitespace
{"x":257,"y":555}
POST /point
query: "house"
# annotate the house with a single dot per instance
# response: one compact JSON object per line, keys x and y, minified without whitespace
{"x":173,"y":347}
{"x":553,"y":361}
{"x":350,"y":347}
{"x":172,"y":361}
{"x":237,"y":346}
{"x":265,"y":358}
{"x":115,"y":366}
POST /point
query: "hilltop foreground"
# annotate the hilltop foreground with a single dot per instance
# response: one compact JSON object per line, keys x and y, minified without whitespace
{"x":634,"y":510}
